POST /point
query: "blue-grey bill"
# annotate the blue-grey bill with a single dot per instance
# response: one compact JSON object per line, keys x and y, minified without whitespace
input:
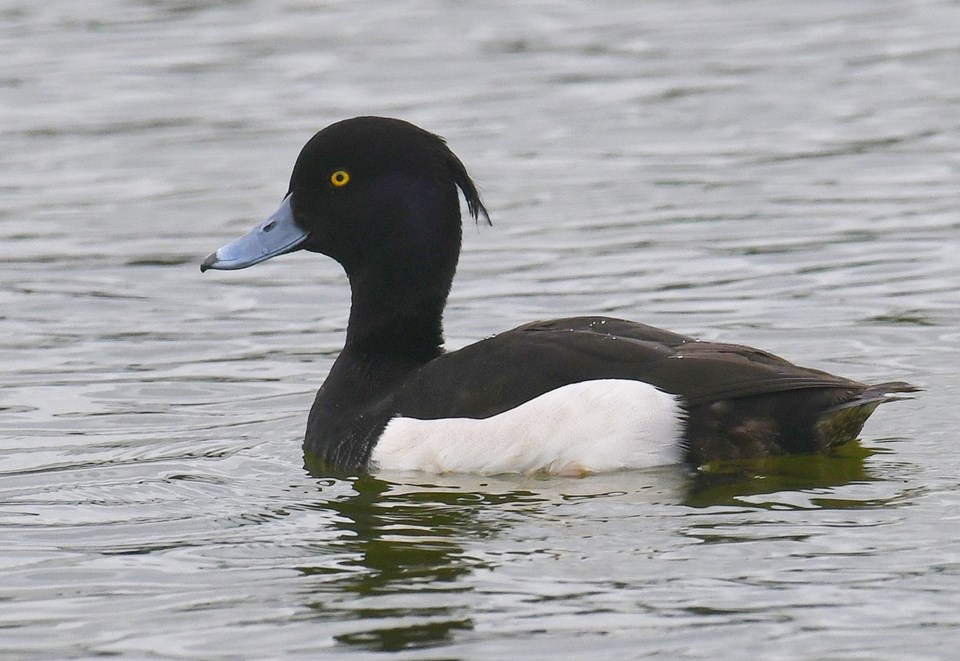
{"x":277,"y":235}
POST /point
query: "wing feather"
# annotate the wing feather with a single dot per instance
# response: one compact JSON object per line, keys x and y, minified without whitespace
{"x":501,"y":372}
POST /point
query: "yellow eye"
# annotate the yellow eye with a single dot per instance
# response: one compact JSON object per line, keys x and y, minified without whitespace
{"x":340,"y":178}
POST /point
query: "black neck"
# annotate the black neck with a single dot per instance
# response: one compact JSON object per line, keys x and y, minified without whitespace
{"x":392,"y":316}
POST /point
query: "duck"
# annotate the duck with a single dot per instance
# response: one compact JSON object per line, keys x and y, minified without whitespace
{"x":569,"y":396}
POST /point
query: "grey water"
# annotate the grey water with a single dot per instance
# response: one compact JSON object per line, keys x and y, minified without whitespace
{"x":780,"y":174}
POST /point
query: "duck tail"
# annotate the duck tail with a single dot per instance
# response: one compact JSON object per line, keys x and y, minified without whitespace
{"x":842,"y":423}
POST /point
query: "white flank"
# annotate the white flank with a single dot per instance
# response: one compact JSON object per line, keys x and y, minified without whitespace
{"x":586,"y":427}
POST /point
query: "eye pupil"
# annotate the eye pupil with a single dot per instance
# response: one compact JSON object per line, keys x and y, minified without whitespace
{"x":340,"y":178}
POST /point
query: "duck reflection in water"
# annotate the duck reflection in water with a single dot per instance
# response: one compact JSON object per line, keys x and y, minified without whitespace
{"x":395,"y":576}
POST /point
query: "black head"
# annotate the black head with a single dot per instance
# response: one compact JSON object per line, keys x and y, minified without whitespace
{"x":363,"y":189}
{"x":379,"y":196}
{"x":370,"y":187}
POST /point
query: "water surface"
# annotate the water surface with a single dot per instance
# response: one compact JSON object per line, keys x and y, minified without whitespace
{"x":785,"y":176}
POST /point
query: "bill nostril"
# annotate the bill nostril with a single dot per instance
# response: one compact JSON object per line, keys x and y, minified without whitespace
{"x":269,"y":226}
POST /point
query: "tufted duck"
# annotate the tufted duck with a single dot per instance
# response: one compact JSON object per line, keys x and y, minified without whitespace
{"x":564,"y":396}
